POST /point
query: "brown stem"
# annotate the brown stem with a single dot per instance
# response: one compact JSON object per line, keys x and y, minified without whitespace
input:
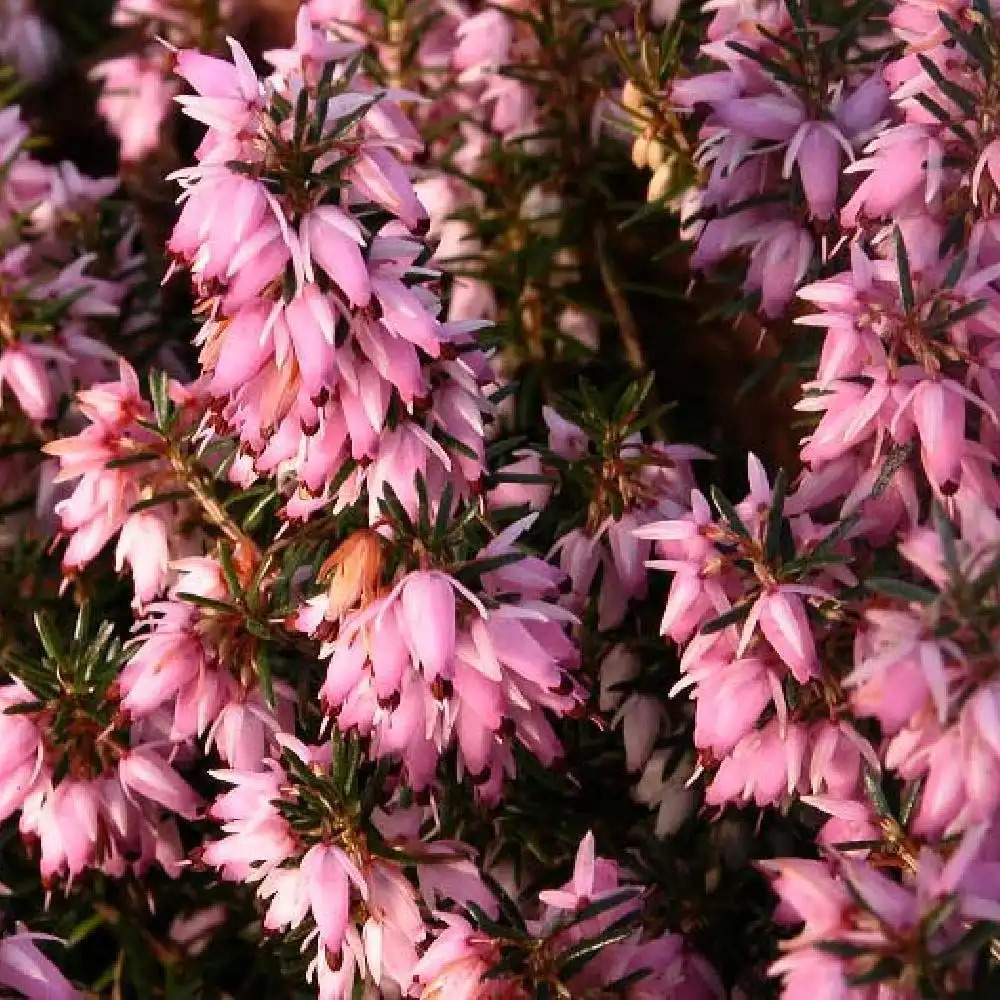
{"x":192,"y":477}
{"x":619,"y":305}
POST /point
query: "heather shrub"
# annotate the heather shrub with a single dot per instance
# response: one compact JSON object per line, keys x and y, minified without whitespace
{"x":500,"y":500}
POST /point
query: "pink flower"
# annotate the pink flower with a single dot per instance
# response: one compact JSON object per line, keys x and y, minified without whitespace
{"x":142,"y":543}
{"x":379,"y":177}
{"x":228,"y":93}
{"x":455,"y":963}
{"x":25,"y":969}
{"x":782,"y":618}
{"x":484,"y":42}
{"x":67,"y":819}
{"x":326,"y":873}
{"x":815,"y":148}
{"x":22,"y":367}
{"x":765,"y":766}
{"x":565,"y":438}
{"x":136,"y":95}
{"x":21,"y":751}
{"x":939,"y":415}
{"x":768,"y":116}
{"x":333,"y":238}
{"x":579,"y":890}
{"x":143,"y":772}
{"x":808,"y":892}
{"x":905,"y":161}
{"x":594,"y":878}
{"x":779,"y":262}
{"x":427,"y":603}
{"x":810,"y":974}
{"x":731,"y":695}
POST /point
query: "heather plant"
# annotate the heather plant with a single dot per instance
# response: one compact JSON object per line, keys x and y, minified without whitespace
{"x":372,"y":625}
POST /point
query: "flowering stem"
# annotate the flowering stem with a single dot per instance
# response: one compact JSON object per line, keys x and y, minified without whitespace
{"x":188,"y":470}
{"x":623,"y":315}
{"x":907,"y":855}
{"x":209,"y":21}
{"x":395,"y":35}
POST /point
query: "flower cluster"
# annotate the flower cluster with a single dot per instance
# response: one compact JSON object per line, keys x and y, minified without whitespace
{"x":789,"y":109}
{"x":595,"y":904}
{"x":92,"y":790}
{"x":484,"y":81}
{"x":631,"y":483}
{"x":312,"y":861}
{"x":866,"y":593}
{"x":862,"y":929}
{"x":753,"y":596}
{"x":318,"y":865}
{"x":431,"y":663}
{"x":196,"y":672}
{"x":49,"y":298}
{"x":324,"y":352}
{"x":923,"y":668}
{"x":138,"y":87}
{"x":68,"y":266}
{"x":119,"y":467}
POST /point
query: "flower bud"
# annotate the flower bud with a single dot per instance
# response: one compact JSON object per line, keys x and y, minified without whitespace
{"x":640,"y":152}
{"x":660,"y":182}
{"x":657,"y":155}
{"x":632,"y":97}
{"x":352,"y":572}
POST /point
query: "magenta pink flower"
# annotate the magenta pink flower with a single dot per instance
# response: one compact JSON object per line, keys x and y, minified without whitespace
{"x":308,"y":381}
{"x":228,"y":93}
{"x":24,"y":968}
{"x":100,"y":505}
{"x":455,"y":963}
{"x":334,"y":240}
{"x":143,"y":772}
{"x":23,"y":370}
{"x":323,"y":881}
{"x":427,"y":607}
{"x":593,"y":878}
{"x":136,"y":94}
{"x":730,"y":694}
{"x":111,"y":820}
{"x":782,"y":618}
{"x":764,"y":767}
{"x":491,"y":667}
